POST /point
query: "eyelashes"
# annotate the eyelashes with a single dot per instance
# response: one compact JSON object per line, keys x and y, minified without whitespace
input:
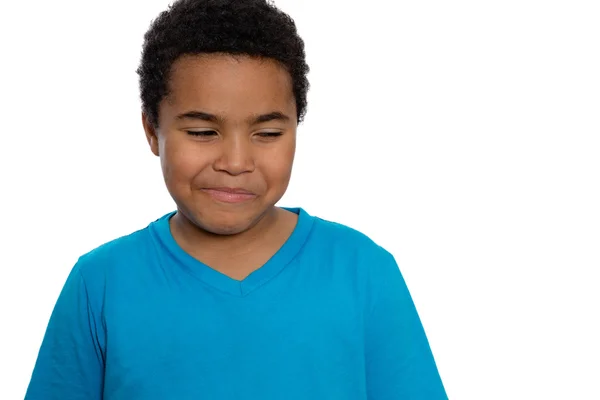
{"x":209,"y":134}
{"x":269,"y":134}
{"x":202,"y":133}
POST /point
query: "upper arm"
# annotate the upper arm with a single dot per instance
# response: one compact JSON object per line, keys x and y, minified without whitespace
{"x":400,"y":364}
{"x":70,"y":363}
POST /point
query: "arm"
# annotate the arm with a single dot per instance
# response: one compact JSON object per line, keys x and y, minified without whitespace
{"x":400,"y":364}
{"x":70,"y":363}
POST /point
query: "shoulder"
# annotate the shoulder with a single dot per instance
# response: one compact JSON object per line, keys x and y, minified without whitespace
{"x":351,"y":247}
{"x":121,"y":253}
{"x":113,"y":249}
{"x":355,"y":260}
{"x":337,"y":234}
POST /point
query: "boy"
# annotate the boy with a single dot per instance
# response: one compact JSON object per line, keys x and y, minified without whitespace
{"x":230,"y":296}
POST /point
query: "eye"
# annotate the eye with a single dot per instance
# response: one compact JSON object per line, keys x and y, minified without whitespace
{"x":269,"y":135}
{"x":202,"y":133}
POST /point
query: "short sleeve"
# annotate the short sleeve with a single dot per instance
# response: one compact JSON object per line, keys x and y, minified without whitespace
{"x":400,"y":364}
{"x":70,"y":363}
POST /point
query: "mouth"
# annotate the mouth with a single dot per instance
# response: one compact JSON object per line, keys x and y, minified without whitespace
{"x":230,"y":195}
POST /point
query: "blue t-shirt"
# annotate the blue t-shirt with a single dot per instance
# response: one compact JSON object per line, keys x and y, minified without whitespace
{"x":328,"y":317}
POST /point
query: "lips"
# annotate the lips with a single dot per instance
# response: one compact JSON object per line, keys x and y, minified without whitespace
{"x":231,"y":190}
{"x":230,"y":195}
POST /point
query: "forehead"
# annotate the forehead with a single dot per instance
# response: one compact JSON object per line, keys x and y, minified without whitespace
{"x":233,"y":86}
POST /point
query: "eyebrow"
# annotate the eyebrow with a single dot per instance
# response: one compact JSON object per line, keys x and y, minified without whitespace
{"x":199,"y":115}
{"x":258,"y":119}
{"x":272,"y":116}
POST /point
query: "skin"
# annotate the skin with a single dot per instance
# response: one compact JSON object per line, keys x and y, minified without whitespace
{"x":243,"y":113}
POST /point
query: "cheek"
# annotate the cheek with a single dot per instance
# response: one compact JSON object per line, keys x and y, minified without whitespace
{"x":180,"y":161}
{"x":279,"y":165}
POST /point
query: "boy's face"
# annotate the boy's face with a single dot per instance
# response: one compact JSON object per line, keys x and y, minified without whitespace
{"x":226,"y":138}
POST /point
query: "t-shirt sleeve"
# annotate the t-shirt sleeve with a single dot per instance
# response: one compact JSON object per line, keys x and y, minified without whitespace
{"x":400,"y":364}
{"x":70,"y":363}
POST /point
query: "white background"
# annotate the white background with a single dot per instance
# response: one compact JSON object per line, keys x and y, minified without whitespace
{"x":463,"y":136}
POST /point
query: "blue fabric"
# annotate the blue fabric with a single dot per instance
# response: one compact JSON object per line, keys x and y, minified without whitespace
{"x":328,"y":317}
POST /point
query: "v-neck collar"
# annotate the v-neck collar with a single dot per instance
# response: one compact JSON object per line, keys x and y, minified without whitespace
{"x":224,"y":283}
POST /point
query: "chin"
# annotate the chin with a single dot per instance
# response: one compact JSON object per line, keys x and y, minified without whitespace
{"x":222,"y":223}
{"x":221,"y":229}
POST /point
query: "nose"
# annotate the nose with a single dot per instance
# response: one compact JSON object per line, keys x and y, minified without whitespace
{"x":235,"y":156}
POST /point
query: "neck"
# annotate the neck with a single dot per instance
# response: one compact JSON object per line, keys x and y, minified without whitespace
{"x":201,"y":242}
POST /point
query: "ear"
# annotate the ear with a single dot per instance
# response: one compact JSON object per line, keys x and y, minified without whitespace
{"x":151,"y":134}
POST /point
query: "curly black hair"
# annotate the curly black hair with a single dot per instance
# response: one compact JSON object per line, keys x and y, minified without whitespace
{"x":254,"y":28}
